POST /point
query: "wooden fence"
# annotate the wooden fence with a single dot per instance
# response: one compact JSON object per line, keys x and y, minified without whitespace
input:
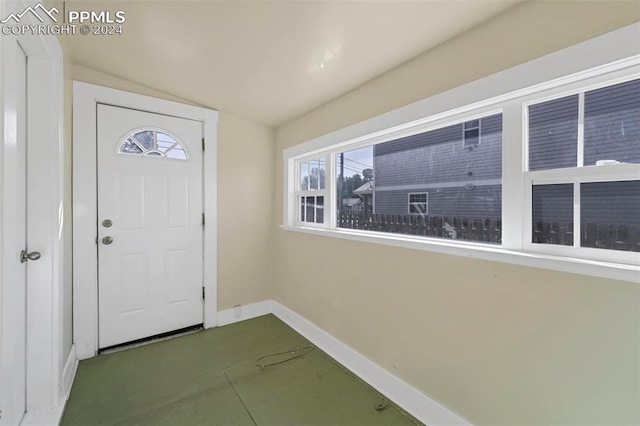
{"x":488,"y":230}
{"x":597,"y":235}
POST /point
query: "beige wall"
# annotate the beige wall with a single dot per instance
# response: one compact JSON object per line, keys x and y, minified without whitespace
{"x":245,"y":170}
{"x":498,"y":344}
{"x":245,"y":205}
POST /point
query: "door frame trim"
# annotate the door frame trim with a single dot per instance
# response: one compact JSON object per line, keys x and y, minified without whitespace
{"x":45,"y":359}
{"x":85,"y":265}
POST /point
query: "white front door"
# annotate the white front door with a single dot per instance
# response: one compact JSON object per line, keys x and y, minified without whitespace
{"x":150,"y":230}
{"x":14,"y":270}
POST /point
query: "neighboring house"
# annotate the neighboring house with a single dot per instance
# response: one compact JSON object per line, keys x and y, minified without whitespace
{"x":352,"y":205}
{"x":365,"y":192}
{"x":452,"y":171}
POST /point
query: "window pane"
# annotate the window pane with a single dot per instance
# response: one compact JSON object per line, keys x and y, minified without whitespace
{"x":302,"y":209}
{"x":612,"y":124}
{"x":471,"y":137}
{"x":304,"y":176}
{"x":177,"y":153}
{"x":146,"y":138}
{"x":319,"y":209}
{"x":313,"y":174}
{"x":130,"y":147}
{"x":472,"y":124}
{"x":418,"y":198}
{"x":354,"y":186}
{"x":610,"y":215}
{"x":552,"y":214}
{"x":418,"y":208}
{"x":310,"y":209}
{"x":553,"y":134}
{"x":322,"y":170}
{"x":464,"y":186}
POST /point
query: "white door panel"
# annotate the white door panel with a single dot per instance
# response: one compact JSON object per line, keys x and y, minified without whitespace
{"x":150,"y":276}
{"x":14,"y":272}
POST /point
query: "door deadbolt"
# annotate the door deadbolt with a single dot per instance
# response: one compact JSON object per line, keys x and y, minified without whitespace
{"x":107,"y":240}
{"x":107,"y":223}
{"x":24,"y":256}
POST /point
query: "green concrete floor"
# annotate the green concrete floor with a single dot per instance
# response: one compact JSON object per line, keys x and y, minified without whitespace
{"x":211,"y":378}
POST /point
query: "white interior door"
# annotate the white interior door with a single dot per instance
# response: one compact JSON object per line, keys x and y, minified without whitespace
{"x":150,"y":230}
{"x":14,"y":270}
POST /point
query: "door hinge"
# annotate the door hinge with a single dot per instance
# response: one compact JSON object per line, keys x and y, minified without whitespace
{"x":203,"y":144}
{"x":203,"y":292}
{"x":203,"y":219}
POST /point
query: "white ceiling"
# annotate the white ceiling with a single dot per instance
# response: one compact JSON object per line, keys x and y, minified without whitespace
{"x":269,"y":61}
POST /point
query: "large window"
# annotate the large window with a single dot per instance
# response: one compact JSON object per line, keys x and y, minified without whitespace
{"x":554,"y":170}
{"x":580,"y":147}
{"x":453,"y":187}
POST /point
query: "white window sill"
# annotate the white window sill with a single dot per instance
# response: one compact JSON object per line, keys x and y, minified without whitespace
{"x":610,"y":270}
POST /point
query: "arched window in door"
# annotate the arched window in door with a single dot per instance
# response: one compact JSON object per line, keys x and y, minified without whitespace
{"x":153,"y":143}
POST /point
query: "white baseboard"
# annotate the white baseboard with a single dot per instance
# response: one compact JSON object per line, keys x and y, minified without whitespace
{"x":50,"y":417}
{"x":401,"y":393}
{"x":53,"y":416}
{"x":244,"y":312}
{"x":69,"y":374}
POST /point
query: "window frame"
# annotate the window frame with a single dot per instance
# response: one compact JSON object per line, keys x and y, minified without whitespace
{"x":464,"y":135}
{"x":604,"y":61}
{"x":144,"y":154}
{"x":574,"y":175}
{"x":426,"y":203}
{"x":312,"y":192}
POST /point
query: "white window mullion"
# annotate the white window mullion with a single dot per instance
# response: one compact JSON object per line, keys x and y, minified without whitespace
{"x":314,"y":207}
{"x":330,"y":204}
{"x":291,"y":200}
{"x":513,"y":164}
{"x":580,"y":152}
{"x":576,"y":214}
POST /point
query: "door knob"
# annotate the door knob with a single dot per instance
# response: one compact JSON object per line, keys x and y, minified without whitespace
{"x":107,"y":240}
{"x":24,"y":256}
{"x":107,"y":223}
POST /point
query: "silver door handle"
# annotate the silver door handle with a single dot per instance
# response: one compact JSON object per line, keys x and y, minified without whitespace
{"x":107,"y":240}
{"x":24,"y":256}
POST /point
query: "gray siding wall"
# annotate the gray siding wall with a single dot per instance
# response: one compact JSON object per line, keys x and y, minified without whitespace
{"x":481,"y":202}
{"x":553,"y":134}
{"x":460,"y":181}
{"x":615,"y":203}
{"x":612,"y":123}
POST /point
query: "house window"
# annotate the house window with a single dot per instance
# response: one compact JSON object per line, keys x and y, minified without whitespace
{"x":152,"y":143}
{"x":465,"y":187}
{"x":311,"y":190}
{"x":580,"y":150}
{"x":471,"y":133}
{"x":564,"y":185}
{"x":418,"y":203}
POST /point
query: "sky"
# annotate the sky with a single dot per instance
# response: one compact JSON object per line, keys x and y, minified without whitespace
{"x":357,"y":160}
